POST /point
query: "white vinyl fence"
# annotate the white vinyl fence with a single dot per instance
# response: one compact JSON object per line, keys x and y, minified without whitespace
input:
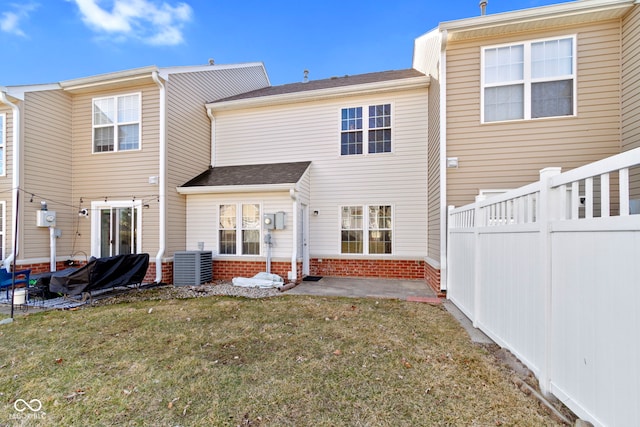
{"x":551,"y":271}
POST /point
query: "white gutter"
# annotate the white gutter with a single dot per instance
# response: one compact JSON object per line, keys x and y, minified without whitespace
{"x":225,"y":189}
{"x":572,"y":8}
{"x":294,"y":232}
{"x":16,"y":143}
{"x":115,"y":77}
{"x":444,"y":212}
{"x":162,"y":196}
{"x":212,"y":118}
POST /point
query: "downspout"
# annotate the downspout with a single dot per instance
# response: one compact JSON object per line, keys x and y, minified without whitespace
{"x":16,"y":143}
{"x":212,"y":118}
{"x":162,"y":194}
{"x":444,"y":211}
{"x":294,"y":252}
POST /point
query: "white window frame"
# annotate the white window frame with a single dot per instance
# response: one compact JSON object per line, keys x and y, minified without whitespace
{"x":116,"y":124}
{"x":238,"y":228}
{"x":365,"y":128}
{"x":527,"y":80}
{"x":95,"y":222}
{"x":3,"y":224}
{"x":3,"y":143}
{"x":366,"y":229}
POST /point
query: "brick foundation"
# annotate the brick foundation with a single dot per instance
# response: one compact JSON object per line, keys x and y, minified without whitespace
{"x":167,"y":273}
{"x":432,"y":276}
{"x":387,"y":269}
{"x":228,"y":269}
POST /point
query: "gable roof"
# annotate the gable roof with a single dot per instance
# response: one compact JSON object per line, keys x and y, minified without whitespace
{"x":144,"y":75}
{"x":223,"y":179}
{"x":333,"y":87}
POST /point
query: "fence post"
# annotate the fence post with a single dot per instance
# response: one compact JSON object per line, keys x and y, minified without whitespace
{"x":478,"y":221}
{"x":550,"y":206}
{"x":444,"y":260}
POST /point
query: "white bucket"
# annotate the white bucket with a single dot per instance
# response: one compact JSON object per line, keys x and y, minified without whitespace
{"x":19,"y":296}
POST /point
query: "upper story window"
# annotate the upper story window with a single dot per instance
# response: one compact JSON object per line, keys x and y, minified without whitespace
{"x":239,"y":229}
{"x":3,"y":119}
{"x":370,"y":127}
{"x":529,"y":80}
{"x":116,"y":123}
{"x":366,"y":229}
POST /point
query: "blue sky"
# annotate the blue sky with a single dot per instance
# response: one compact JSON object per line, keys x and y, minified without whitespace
{"x":45,"y":41}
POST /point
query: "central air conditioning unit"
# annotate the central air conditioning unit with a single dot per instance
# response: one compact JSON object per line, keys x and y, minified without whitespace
{"x":192,"y":268}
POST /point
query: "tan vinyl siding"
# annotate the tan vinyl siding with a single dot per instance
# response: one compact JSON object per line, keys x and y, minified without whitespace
{"x":117,"y":176}
{"x":433,"y":172}
{"x":510,"y":154}
{"x":427,"y":54}
{"x":47,"y":172}
{"x":631,"y":90}
{"x":203,"y":213}
{"x":189,"y":133}
{"x":311,"y":132}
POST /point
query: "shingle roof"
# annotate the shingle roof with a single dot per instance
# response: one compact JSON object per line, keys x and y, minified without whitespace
{"x":327,"y":84}
{"x":265,"y":174}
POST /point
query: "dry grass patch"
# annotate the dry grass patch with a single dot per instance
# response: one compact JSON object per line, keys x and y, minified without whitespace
{"x":285,"y":361}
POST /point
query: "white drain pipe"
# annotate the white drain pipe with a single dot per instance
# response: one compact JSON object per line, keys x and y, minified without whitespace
{"x":294,"y":220}
{"x":16,"y":143}
{"x":162,"y":180}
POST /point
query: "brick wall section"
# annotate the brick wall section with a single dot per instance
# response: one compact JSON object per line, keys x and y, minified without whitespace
{"x":432,"y":276}
{"x":44,"y":267}
{"x":387,"y":269}
{"x":228,"y":269}
{"x":167,"y":273}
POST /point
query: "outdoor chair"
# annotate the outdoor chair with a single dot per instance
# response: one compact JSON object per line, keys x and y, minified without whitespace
{"x":6,"y":279}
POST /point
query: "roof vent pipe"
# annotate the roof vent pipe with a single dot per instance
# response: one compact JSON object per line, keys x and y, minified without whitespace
{"x":306,"y":76}
{"x":483,"y":7}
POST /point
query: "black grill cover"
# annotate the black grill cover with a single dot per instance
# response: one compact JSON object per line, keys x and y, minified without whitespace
{"x":102,"y":273}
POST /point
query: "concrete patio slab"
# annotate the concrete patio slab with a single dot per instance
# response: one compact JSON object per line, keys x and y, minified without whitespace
{"x":361,"y":288}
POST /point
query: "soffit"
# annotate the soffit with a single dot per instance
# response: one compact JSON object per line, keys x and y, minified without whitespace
{"x":109,"y":81}
{"x":566,"y":14}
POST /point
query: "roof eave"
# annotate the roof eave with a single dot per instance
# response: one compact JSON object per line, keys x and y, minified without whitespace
{"x":166,"y":71}
{"x":361,"y":89}
{"x":108,"y":79}
{"x":226,"y":189}
{"x":534,"y":15}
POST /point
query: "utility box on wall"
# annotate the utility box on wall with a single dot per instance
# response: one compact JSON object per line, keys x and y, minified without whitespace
{"x":280,"y":218}
{"x":269,"y":221}
{"x":274,"y":221}
{"x":46,"y":218}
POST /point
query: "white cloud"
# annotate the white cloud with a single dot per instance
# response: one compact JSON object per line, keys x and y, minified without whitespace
{"x":151,"y":21}
{"x":10,"y":20}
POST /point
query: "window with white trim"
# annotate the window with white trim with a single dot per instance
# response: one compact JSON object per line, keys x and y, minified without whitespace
{"x":366,"y":229}
{"x":529,"y":80}
{"x":242,"y":217}
{"x":370,"y":127}
{"x":116,"y":123}
{"x":3,"y":133}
